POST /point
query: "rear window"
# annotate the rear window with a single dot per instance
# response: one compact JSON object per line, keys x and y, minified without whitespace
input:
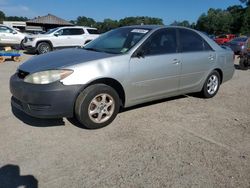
{"x":93,"y":31}
{"x":240,"y":39}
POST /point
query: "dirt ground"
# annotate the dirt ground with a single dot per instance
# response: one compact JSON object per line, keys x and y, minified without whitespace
{"x":179,"y":142}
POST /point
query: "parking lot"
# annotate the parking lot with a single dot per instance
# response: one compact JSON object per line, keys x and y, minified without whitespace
{"x":184,"y":141}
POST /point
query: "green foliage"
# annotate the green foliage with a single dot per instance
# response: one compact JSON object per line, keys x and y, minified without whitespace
{"x":109,"y":24}
{"x":84,"y":21}
{"x":246,"y":22}
{"x":143,"y":20}
{"x":216,"y":21}
{"x":16,"y":18}
{"x":11,"y":18}
{"x":2,"y":16}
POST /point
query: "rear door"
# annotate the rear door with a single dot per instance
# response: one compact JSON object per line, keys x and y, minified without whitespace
{"x":197,"y":58}
{"x":157,"y":72}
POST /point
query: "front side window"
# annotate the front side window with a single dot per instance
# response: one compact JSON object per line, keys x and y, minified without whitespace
{"x":117,"y":41}
{"x":161,"y":42}
{"x":192,"y":42}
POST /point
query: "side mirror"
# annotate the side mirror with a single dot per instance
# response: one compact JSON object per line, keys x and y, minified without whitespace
{"x":14,"y":32}
{"x":56,"y":34}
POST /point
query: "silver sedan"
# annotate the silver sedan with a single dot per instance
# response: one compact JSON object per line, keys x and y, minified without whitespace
{"x":122,"y":68}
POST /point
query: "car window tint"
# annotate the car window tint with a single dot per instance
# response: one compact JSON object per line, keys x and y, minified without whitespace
{"x":93,"y":31}
{"x":162,"y":42}
{"x":75,"y":31}
{"x":191,"y":41}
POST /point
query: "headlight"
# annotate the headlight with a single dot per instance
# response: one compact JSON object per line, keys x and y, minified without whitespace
{"x":30,"y":39}
{"x":46,"y":77}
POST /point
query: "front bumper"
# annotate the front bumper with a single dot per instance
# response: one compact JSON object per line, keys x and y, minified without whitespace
{"x":44,"y":101}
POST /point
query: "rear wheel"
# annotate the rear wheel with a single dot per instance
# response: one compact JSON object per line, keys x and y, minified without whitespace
{"x":43,"y":48}
{"x":243,"y":64}
{"x":211,"y":85}
{"x":97,"y":106}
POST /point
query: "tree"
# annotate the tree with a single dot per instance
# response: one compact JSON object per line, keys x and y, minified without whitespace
{"x":246,"y":22}
{"x":143,"y":20}
{"x":2,"y":16}
{"x":84,"y":21}
{"x":216,"y":21}
{"x":237,"y":13}
{"x":184,"y":23}
{"x":107,"y":25}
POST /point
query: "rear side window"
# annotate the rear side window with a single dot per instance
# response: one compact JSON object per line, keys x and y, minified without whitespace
{"x":192,"y":42}
{"x":93,"y":31}
{"x":75,"y":31}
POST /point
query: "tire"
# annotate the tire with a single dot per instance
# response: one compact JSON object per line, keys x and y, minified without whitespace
{"x":22,"y":47}
{"x":43,"y":48}
{"x":97,"y":106}
{"x":243,"y":64}
{"x":2,"y":59}
{"x":211,"y":85}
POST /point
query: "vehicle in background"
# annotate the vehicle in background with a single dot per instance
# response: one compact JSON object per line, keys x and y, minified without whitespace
{"x":11,"y":37}
{"x":221,"y":39}
{"x":122,"y":68}
{"x":238,"y":45}
{"x":61,"y":37}
{"x":244,"y":63}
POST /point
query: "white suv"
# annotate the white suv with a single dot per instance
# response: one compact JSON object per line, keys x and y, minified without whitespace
{"x":10,"y":37}
{"x":61,"y":37}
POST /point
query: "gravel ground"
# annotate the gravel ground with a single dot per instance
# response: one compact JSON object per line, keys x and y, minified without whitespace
{"x":179,"y":142}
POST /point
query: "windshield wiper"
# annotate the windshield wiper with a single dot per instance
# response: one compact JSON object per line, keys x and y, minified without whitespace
{"x":93,"y":49}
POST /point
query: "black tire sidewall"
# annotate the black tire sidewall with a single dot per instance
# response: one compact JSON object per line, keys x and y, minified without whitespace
{"x":243,"y":64}
{"x":43,"y":44}
{"x":84,"y":99}
{"x":204,"y":90}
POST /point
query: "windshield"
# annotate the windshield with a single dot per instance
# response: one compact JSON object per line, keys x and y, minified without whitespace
{"x":118,"y":41}
{"x":51,"y":31}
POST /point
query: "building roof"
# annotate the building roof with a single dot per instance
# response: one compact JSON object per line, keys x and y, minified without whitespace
{"x":49,"y":19}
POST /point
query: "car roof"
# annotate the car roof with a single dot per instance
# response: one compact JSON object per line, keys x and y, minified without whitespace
{"x":84,"y":27}
{"x":155,"y":27}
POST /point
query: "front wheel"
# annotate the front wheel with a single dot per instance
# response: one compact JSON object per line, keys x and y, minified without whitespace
{"x":97,"y":106}
{"x":43,"y":48}
{"x":211,"y":85}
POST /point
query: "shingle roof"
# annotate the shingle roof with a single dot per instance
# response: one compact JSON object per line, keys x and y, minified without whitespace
{"x":49,"y":19}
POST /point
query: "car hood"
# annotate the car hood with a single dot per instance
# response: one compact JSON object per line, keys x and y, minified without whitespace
{"x":60,"y":59}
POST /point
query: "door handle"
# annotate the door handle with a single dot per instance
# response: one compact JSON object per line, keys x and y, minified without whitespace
{"x":176,"y":61}
{"x":211,"y":57}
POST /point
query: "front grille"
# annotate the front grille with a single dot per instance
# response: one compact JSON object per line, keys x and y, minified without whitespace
{"x":22,"y":74}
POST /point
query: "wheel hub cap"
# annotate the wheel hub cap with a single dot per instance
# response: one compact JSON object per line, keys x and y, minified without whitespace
{"x":212,"y":84}
{"x":101,"y":108}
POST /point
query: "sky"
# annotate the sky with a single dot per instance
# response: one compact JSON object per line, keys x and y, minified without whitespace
{"x":168,"y":10}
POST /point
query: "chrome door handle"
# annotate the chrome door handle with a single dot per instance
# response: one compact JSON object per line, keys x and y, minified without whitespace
{"x":176,"y":61}
{"x":211,"y":57}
